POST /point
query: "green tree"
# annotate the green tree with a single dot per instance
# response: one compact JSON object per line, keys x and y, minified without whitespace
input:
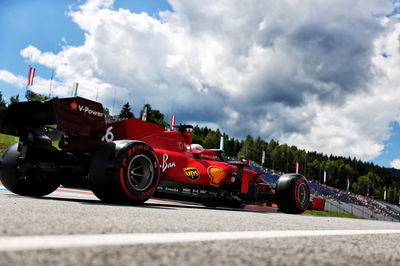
{"x":259,"y":146}
{"x":247,"y":149}
{"x":106,"y":111}
{"x":363,"y":185}
{"x":229,"y":145}
{"x":371,"y":184}
{"x":392,"y":195}
{"x":197,"y":137}
{"x":2,"y":101}
{"x":253,"y":148}
{"x":126,"y":111}
{"x":211,"y":141}
{"x":315,"y":170}
{"x":33,"y":96}
{"x":14,"y":99}
{"x":270,"y":159}
{"x":154,"y":116}
{"x":38,"y":98}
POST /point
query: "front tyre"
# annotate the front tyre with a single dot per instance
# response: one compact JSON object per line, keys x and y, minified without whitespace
{"x":292,"y":194}
{"x":124,"y":171}
{"x":33,"y":182}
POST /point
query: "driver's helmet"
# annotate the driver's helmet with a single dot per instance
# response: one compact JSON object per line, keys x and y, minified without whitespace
{"x":195,"y":147}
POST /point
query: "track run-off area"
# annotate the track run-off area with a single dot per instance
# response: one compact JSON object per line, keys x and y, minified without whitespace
{"x":72,"y":227}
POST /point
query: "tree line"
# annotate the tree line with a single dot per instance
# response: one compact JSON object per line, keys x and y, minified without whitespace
{"x":4,"y":103}
{"x":152,"y":115}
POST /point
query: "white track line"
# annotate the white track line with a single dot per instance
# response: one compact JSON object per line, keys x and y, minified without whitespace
{"x":78,"y":241}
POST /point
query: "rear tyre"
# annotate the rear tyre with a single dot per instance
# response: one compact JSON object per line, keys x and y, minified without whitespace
{"x":292,"y":194}
{"x":124,"y":171}
{"x":33,"y":182}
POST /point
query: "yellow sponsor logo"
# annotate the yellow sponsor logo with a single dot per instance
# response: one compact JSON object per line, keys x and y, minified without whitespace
{"x":191,"y":173}
{"x":217,"y":175}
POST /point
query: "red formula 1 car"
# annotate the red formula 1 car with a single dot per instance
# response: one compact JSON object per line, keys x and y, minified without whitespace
{"x":128,"y":161}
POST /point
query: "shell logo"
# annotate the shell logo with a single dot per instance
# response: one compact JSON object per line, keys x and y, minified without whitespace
{"x":74,"y":106}
{"x":217,"y":175}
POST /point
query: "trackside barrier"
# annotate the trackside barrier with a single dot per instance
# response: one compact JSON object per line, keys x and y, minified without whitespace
{"x":318,"y":204}
{"x":393,"y":207}
{"x":355,"y":210}
{"x":342,"y":207}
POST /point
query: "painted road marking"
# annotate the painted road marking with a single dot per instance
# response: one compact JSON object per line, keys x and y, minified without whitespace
{"x":79,"y":193}
{"x":20,"y":243}
{"x":75,"y":190}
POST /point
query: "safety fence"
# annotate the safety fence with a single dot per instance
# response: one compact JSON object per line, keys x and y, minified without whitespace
{"x":356,"y":210}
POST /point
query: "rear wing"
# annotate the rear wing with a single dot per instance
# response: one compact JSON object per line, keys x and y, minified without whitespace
{"x":75,"y":116}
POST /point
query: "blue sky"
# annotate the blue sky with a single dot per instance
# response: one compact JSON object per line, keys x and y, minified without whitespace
{"x":33,"y":22}
{"x":279,"y":71}
{"x":46,"y":25}
{"x":392,"y":148}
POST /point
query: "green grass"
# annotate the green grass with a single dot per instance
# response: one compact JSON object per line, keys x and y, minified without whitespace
{"x":330,"y":214}
{"x":6,"y":141}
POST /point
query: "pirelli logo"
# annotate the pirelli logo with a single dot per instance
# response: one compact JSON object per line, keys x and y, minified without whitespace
{"x":191,"y":173}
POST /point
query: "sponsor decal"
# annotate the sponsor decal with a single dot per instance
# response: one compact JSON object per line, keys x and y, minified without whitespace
{"x":180,"y":145}
{"x":109,"y":136}
{"x":171,"y":189}
{"x":165,"y":165}
{"x":87,"y":110}
{"x":213,"y":193}
{"x":75,"y":106}
{"x":217,"y":175}
{"x":191,"y":173}
{"x":202,"y":192}
{"x":186,"y":191}
{"x":147,"y":194}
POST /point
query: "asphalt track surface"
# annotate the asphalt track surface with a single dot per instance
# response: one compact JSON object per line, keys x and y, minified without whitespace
{"x":72,"y":227}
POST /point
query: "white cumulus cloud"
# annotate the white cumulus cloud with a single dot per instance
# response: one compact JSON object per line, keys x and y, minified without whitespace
{"x":395,"y":164}
{"x":9,"y":77}
{"x":317,"y":74}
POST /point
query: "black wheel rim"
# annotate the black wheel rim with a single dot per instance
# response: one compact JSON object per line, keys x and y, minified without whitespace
{"x":140,"y":172}
{"x":302,"y":194}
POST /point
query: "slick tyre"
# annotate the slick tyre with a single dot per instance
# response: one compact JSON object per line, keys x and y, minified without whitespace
{"x":33,"y":182}
{"x":292,"y":194}
{"x":125,"y":172}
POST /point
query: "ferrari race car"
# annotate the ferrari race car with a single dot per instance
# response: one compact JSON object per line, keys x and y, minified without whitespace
{"x":128,"y":161}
